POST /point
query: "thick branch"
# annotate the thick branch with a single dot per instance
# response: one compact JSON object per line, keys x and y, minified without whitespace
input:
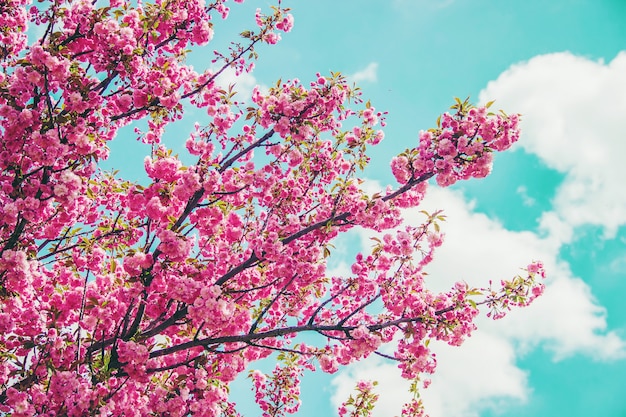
{"x":276,"y":333}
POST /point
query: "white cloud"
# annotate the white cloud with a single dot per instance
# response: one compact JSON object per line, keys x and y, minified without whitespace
{"x":392,"y":389}
{"x":467,"y":380}
{"x":477,"y":249}
{"x":556,"y":228}
{"x":573,"y":120}
{"x":476,"y":377}
{"x":566,"y":319}
{"x":527,"y":200}
{"x":369,"y":73}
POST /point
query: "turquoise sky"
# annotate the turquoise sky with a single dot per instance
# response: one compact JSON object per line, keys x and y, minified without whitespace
{"x":558,"y":196}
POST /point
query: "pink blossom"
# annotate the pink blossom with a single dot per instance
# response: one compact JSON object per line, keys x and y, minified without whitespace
{"x":134,"y":264}
{"x":234,"y":225}
{"x":258,"y":18}
{"x":328,"y":364}
{"x":365,"y":385}
{"x":175,"y":247}
{"x":400,"y":169}
{"x":370,"y":117}
{"x":536,"y":268}
{"x":286,"y":24}
{"x":271,"y":38}
{"x":151,"y":297}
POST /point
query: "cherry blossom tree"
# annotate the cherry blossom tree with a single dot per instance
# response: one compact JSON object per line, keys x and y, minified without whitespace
{"x":120,"y":298}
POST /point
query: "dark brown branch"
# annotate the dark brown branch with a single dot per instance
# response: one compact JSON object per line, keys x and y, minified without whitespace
{"x":250,"y":337}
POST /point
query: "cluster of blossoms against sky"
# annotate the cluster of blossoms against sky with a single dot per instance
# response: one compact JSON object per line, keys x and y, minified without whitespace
{"x":119,"y":298}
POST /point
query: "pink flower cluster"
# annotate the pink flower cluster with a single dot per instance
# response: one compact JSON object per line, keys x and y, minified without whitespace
{"x":13,"y":25}
{"x":518,"y":292}
{"x":461,"y":147}
{"x":121,"y":298}
{"x":279,"y":393}
{"x":361,"y":404}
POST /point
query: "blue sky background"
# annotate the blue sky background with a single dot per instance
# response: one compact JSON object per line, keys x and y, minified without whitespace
{"x":558,"y":196}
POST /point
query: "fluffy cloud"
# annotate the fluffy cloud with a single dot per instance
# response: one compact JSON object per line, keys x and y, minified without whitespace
{"x":573,"y":111}
{"x":468,"y":380}
{"x":566,"y":320}
{"x":369,"y":73}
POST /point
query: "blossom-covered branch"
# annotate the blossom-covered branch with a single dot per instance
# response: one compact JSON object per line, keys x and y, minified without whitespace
{"x":120,"y":298}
